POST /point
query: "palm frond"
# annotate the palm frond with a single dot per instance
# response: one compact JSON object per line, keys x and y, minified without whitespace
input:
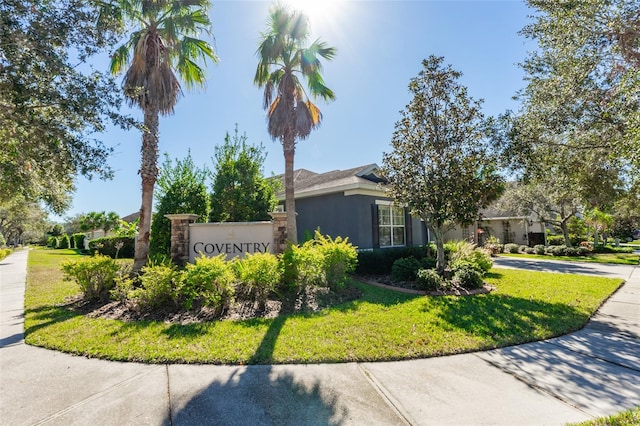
{"x":120,"y":59}
{"x":314,"y":113}
{"x":322,"y":49}
{"x":317,"y":87}
{"x":190,"y":72}
{"x":298,"y":27}
{"x":194,"y":48}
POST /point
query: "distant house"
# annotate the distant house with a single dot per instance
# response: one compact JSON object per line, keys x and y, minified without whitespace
{"x":506,"y":226}
{"x":353,"y":203}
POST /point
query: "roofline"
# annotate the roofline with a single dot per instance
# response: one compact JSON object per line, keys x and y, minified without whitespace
{"x":359,"y":188}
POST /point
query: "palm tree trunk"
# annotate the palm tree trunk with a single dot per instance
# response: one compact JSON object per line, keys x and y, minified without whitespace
{"x":289,"y":195}
{"x":148,"y":173}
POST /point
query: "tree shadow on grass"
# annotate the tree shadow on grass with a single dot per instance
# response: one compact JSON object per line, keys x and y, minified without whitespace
{"x":46,"y":316}
{"x":506,"y":320}
{"x":259,"y":394}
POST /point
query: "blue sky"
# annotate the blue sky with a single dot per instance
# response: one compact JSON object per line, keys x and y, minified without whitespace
{"x":380,"y":48}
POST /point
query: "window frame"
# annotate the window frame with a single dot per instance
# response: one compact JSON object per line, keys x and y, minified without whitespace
{"x":395,"y":230}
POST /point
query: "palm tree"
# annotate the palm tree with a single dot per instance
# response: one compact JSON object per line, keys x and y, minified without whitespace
{"x":283,"y":61}
{"x":163,"y":42}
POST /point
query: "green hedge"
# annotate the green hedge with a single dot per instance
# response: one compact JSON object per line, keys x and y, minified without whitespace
{"x":78,"y":240}
{"x":380,"y":261}
{"x":107,"y":246}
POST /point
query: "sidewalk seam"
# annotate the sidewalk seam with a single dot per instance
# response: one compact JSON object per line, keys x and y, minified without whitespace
{"x":170,"y":414}
{"x":391,"y":402}
{"x":566,"y":348}
{"x":93,"y":397}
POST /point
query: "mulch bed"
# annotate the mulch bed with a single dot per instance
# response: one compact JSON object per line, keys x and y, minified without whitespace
{"x":313,"y":300}
{"x":411,"y":287}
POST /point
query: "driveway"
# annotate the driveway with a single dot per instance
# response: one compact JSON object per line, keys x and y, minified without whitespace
{"x":591,"y":373}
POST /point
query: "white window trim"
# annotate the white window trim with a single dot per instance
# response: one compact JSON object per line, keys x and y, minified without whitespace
{"x":391,"y":225}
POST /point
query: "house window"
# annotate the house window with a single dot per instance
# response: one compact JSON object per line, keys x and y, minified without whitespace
{"x":391,"y":225}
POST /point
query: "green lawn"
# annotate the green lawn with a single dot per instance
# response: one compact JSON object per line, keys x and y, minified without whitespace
{"x":382,"y":325}
{"x":626,"y":418}
{"x":615,"y":258}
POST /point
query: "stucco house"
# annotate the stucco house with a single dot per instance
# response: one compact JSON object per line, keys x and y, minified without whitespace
{"x":353,"y":203}
{"x":507,"y":226}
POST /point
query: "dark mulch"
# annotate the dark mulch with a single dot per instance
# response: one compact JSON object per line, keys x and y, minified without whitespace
{"x":313,"y":300}
{"x":413,"y":287}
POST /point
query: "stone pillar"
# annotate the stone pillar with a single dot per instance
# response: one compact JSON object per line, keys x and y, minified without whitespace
{"x":279,"y":221}
{"x":180,"y":236}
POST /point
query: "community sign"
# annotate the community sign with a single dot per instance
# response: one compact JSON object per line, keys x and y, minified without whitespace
{"x":234,"y":239}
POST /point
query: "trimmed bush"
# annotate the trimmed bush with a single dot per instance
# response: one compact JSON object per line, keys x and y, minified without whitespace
{"x":481,"y":259}
{"x":539,"y":249}
{"x":52,"y":242}
{"x":493,"y":245}
{"x":340,"y":259}
{"x":115,"y":247}
{"x":258,"y":274}
{"x":568,"y":251}
{"x":612,"y":249}
{"x":304,"y":266}
{"x":78,"y":240}
{"x":64,"y":242}
{"x":158,"y":284}
{"x":530,"y":250}
{"x":94,"y":274}
{"x":511,"y":248}
{"x":429,"y":279}
{"x":208,"y":281}
{"x":405,"y":269}
{"x":555,"y":240}
{"x":466,"y":275}
{"x":380,"y":261}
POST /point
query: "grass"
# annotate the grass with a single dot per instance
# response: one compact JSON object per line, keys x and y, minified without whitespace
{"x":613,"y":258}
{"x":382,"y":325}
{"x":626,"y":418}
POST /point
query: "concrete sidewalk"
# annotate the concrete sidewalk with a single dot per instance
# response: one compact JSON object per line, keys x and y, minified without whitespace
{"x":591,"y":373}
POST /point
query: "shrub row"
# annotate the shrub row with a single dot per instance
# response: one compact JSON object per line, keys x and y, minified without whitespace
{"x":380,"y":261}
{"x":115,"y":247}
{"x":215,"y":282}
{"x":612,"y":249}
{"x":466,"y":266}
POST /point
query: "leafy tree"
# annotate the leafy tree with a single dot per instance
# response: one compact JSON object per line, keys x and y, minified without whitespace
{"x":162,"y":42}
{"x":554,"y":202}
{"x":72,"y":224}
{"x":181,"y":189}
{"x":440,"y":165}
{"x":626,"y":212}
{"x":23,"y":222}
{"x":283,"y":61}
{"x":582,"y":98}
{"x":240,"y":192}
{"x":51,"y":100}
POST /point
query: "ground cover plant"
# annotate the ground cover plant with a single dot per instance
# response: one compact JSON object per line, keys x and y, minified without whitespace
{"x":379,"y":325}
{"x":4,"y":252}
{"x":626,"y":418}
